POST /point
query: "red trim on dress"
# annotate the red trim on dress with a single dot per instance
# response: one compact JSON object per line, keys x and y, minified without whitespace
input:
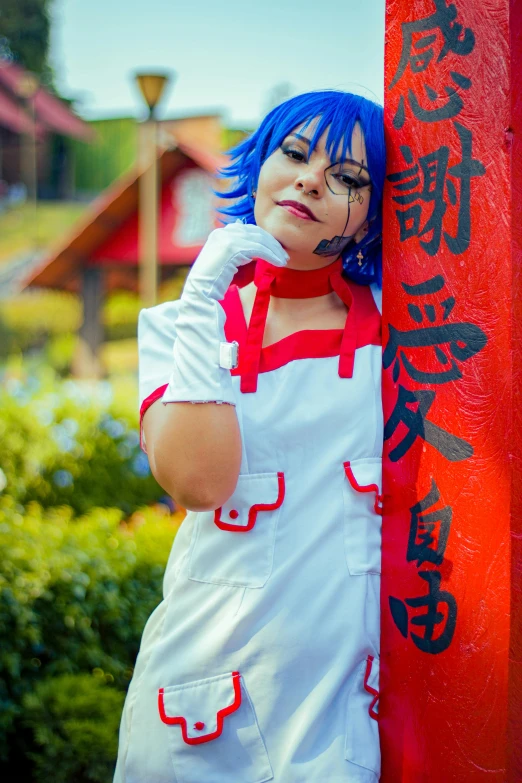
{"x":374,"y":693}
{"x":145,"y":405}
{"x":251,"y":358}
{"x":221,"y":715}
{"x":363,"y":330}
{"x":364,"y":488}
{"x":253,"y":511}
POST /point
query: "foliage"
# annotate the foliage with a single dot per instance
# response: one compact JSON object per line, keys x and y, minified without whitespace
{"x":84,"y":547}
{"x":26,"y":27}
{"x":35,"y":317}
{"x":72,"y":444}
{"x":59,"y":352}
{"x":31,"y":318}
{"x":24,"y":231}
{"x":75,"y":721}
{"x":120,"y":315}
{"x":74,"y":596}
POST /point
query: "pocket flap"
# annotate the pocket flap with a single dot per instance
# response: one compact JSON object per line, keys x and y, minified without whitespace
{"x":362,"y":735}
{"x":363,"y":513}
{"x":371,"y":685}
{"x":201,"y":707}
{"x":253,"y":494}
{"x":366,"y":476}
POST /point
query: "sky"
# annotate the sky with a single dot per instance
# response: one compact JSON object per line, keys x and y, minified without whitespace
{"x":236,"y":58}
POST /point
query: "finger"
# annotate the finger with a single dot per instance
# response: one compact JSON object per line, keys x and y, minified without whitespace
{"x":257,"y":234}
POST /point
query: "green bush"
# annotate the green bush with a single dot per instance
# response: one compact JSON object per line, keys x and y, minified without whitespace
{"x":59,"y":352}
{"x":67,"y":443}
{"x":75,"y":720}
{"x":74,"y":597}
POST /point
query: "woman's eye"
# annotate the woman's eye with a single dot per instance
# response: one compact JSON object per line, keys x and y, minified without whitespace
{"x":350,"y":182}
{"x":294,"y":154}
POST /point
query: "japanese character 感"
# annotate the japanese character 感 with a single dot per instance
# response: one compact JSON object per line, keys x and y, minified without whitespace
{"x":418,"y":55}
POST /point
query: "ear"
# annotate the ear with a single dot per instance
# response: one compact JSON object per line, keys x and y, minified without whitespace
{"x":361,"y":233}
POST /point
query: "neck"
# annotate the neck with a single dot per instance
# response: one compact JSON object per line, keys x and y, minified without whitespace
{"x":306,"y":263}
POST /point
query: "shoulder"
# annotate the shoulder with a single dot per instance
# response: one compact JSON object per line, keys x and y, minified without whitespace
{"x":158,"y":320}
{"x":156,"y":335}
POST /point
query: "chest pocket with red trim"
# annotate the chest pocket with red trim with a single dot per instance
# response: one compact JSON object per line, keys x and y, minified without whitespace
{"x":363,"y":515}
{"x":213,"y":732}
{"x":234,"y":545}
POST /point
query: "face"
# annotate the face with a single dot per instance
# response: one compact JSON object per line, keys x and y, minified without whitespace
{"x":335,"y":195}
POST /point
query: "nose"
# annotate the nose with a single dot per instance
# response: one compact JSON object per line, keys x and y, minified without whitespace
{"x":311,"y":180}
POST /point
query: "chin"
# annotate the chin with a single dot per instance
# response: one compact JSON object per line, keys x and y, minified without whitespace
{"x":289,"y":236}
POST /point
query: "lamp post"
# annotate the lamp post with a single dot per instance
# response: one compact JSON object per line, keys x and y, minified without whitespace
{"x":151,"y":86}
{"x":27,"y":88}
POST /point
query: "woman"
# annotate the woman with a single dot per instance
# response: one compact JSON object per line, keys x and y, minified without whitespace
{"x":262,"y":415}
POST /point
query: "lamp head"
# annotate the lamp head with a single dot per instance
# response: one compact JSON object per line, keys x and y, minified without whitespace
{"x":151,"y":86}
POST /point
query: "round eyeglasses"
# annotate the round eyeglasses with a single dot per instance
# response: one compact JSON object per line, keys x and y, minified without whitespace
{"x":345,"y":179}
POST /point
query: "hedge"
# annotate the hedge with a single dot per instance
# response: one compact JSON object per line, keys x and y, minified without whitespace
{"x":64,"y":443}
{"x":75,"y":594}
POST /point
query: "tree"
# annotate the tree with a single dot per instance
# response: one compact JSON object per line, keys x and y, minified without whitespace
{"x":24,"y":30}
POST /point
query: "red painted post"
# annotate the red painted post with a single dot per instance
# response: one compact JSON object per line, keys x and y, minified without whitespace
{"x":451,"y":655}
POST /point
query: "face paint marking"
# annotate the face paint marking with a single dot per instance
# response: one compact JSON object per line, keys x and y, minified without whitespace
{"x":336,"y":245}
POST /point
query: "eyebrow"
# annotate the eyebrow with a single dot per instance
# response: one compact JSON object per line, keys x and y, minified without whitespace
{"x":344,"y":160}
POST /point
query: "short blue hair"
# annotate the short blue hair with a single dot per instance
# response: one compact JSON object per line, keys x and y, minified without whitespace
{"x":338,"y":112}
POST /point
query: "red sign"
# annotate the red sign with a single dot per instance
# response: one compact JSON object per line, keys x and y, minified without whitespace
{"x":450,"y":392}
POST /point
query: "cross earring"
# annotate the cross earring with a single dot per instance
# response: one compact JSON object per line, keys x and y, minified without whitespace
{"x":360,"y":257}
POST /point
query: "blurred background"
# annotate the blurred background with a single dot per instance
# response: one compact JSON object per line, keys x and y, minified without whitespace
{"x":114,"y":118}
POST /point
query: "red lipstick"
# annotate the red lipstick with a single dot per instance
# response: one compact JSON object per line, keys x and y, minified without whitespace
{"x":297,"y":209}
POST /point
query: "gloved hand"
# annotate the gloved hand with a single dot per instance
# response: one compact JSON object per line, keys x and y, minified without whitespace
{"x":197,"y":375}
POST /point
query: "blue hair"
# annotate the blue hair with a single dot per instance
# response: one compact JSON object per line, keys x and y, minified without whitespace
{"x":338,"y":112}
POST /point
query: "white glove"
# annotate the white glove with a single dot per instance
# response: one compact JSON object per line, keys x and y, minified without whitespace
{"x":197,"y":374}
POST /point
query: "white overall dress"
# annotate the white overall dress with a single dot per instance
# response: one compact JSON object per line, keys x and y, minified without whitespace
{"x":262,"y":661}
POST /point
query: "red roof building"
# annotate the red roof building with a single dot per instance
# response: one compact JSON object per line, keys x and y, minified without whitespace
{"x":102,"y":252}
{"x":53,"y":120}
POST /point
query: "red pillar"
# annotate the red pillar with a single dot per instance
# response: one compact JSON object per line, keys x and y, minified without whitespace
{"x":451,"y":671}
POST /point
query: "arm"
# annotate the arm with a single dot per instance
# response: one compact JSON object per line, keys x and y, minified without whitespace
{"x":195,"y":452}
{"x":195,"y":449}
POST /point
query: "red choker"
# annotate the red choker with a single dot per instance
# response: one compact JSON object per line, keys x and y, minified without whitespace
{"x":294,"y":283}
{"x":287,"y":283}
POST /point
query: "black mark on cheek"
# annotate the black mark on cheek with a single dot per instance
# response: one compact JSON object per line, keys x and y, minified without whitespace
{"x":332,"y":247}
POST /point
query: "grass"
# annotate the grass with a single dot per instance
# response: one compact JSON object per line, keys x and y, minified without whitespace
{"x":24,"y":229}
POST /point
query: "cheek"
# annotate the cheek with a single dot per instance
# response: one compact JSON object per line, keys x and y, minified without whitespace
{"x":358,"y":209}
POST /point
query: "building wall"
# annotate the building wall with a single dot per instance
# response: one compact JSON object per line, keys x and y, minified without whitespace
{"x":98,"y":163}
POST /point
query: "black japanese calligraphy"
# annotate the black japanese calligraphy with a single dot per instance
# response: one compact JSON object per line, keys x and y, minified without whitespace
{"x":429,"y":532}
{"x":427,"y":541}
{"x":464,"y":340}
{"x":431,"y":181}
{"x":418,"y":426}
{"x":447,"y":111}
{"x":432,"y":618}
{"x":419,"y":54}
{"x":461,"y":341}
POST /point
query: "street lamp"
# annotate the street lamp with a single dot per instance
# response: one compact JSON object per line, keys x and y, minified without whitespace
{"x":26,"y":89}
{"x":151,"y":86}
